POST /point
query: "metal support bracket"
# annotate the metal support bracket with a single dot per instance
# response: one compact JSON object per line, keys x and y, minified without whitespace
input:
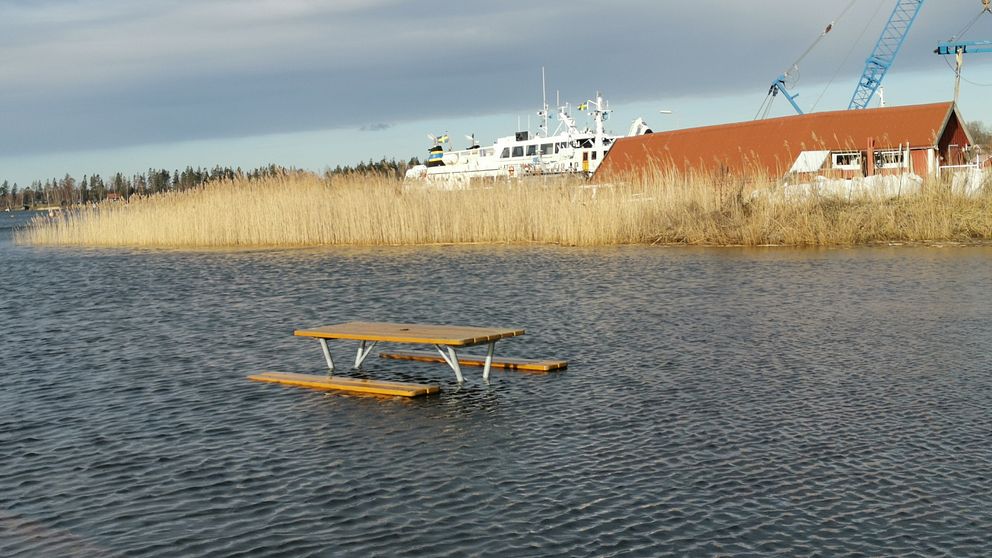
{"x":452,"y":359}
{"x":363,"y":353}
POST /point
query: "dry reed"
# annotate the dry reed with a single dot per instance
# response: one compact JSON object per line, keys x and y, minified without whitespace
{"x":306,"y":210}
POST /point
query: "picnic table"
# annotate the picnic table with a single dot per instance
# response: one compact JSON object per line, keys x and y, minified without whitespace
{"x":447,"y":340}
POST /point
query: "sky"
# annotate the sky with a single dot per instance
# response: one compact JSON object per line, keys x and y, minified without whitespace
{"x":97,"y":86}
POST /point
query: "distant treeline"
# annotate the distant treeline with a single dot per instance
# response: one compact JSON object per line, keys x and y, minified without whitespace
{"x":981,"y":133}
{"x":68,"y":191}
{"x":383,"y":167}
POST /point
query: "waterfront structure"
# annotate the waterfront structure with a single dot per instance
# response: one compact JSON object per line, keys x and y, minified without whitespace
{"x":567,"y":150}
{"x":919,"y":139}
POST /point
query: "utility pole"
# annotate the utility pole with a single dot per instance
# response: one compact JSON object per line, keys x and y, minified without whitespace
{"x":959,"y":61}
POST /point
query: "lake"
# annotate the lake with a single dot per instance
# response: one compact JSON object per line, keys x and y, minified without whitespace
{"x":732,"y":402}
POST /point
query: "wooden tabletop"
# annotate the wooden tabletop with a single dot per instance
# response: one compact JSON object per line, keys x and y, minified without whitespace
{"x":458,"y":336}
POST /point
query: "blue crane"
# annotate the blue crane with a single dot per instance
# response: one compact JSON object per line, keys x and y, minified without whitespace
{"x":884,"y":54}
{"x":876,"y":66}
{"x":788,"y":78}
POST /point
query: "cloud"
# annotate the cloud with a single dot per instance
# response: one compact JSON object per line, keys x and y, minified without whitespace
{"x":107,"y":73}
{"x":377,"y":127}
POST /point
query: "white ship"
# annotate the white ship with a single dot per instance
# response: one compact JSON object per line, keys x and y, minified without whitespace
{"x":568,"y":150}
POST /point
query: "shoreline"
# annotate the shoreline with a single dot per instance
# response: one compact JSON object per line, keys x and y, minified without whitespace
{"x":934,"y":244}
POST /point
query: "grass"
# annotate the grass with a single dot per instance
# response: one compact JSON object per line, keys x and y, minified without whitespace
{"x":307,"y":210}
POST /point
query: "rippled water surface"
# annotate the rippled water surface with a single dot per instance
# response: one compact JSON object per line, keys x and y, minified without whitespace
{"x":718,"y":402}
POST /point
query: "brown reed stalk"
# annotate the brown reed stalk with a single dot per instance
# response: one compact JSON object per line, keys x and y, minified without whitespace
{"x":656,"y":207}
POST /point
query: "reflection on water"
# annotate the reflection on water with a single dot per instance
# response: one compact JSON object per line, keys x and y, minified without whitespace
{"x":718,"y":402}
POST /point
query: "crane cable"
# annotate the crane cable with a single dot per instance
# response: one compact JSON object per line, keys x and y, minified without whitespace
{"x":968,"y":27}
{"x":822,"y":36}
{"x":986,"y":8}
{"x":854,"y":45}
{"x":766,"y":106}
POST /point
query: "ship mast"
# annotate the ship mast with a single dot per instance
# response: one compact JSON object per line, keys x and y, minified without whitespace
{"x":600,"y":115}
{"x":543,"y":113}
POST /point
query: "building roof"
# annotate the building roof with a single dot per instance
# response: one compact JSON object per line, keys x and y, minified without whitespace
{"x":773,"y":145}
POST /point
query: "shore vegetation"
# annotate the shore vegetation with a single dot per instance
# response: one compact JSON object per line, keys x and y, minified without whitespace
{"x":296,"y":209}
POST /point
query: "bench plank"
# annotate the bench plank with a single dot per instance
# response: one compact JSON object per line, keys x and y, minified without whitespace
{"x":457,"y":336}
{"x":346,"y":384}
{"x":533,"y":365}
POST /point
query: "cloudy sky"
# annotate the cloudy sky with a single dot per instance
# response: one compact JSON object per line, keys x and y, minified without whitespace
{"x":100,"y":85}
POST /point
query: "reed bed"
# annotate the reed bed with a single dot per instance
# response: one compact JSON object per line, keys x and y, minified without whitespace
{"x":307,"y":210}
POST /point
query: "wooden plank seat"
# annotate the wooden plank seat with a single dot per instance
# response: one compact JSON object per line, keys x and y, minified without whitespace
{"x":531,"y":365}
{"x":346,"y":384}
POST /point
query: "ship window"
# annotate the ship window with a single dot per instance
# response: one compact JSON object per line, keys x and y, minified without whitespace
{"x":547,"y":148}
{"x":518,"y":151}
{"x":593,"y":155}
{"x":890,"y":159}
{"x":506,"y":153}
{"x":847,"y":161}
{"x":531,"y":150}
{"x":486,"y":151}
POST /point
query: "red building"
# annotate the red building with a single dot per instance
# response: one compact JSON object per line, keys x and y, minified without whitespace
{"x":850,"y":143}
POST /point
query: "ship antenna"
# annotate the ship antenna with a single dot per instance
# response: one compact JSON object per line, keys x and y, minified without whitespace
{"x":544,"y":94}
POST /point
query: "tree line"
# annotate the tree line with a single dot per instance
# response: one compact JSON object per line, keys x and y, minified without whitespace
{"x":384,"y":167}
{"x":90,"y":189}
{"x":981,"y":133}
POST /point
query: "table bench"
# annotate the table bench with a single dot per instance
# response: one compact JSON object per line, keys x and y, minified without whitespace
{"x":341,"y":383}
{"x":525,"y":364}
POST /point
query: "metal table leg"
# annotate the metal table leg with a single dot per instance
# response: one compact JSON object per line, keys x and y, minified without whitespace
{"x":327,"y":357}
{"x":489,"y":361}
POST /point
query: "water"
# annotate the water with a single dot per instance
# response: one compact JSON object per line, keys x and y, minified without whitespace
{"x":718,"y":402}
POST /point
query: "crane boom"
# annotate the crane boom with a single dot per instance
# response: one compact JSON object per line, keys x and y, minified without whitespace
{"x":964,"y":47}
{"x":884,"y":54}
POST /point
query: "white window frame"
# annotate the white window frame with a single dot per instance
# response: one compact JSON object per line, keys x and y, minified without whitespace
{"x":899,"y":164}
{"x":849,"y":166}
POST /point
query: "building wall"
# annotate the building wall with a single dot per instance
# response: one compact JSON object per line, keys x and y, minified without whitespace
{"x":919,"y":162}
{"x":952,"y":143}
